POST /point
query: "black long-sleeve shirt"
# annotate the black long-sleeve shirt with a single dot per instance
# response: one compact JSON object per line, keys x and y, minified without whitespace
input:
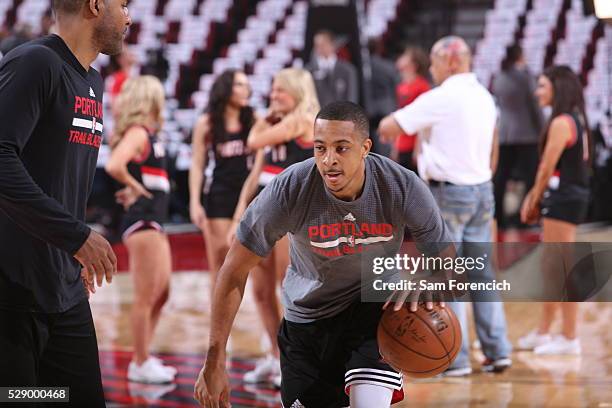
{"x":50,"y":133}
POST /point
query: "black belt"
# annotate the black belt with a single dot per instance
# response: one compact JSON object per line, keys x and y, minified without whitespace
{"x":436,"y":183}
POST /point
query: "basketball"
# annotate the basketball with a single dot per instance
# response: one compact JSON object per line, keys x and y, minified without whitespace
{"x":420,"y":344}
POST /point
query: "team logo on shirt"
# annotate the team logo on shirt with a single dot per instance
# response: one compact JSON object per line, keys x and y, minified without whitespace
{"x":347,"y":237}
{"x":350,"y":241}
{"x":86,"y":131}
{"x":350,"y":217}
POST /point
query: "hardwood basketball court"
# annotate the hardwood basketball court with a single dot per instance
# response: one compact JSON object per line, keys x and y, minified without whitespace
{"x":182,"y":338}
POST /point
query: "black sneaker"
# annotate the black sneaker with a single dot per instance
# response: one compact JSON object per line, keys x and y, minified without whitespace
{"x":496,"y":366}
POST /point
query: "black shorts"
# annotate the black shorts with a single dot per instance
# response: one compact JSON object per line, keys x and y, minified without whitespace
{"x":52,"y":350}
{"x":133,"y":223}
{"x":569,"y":206}
{"x":219,"y":204}
{"x":321,"y":360}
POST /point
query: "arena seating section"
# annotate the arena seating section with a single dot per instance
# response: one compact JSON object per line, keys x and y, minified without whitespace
{"x":550,"y":31}
{"x":204,"y":37}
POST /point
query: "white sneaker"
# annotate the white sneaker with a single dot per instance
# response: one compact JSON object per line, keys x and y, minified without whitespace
{"x":159,"y":361}
{"x":264,"y":369}
{"x":149,"y":372}
{"x":533,"y":340}
{"x":559,"y":345}
{"x":456,"y":372}
{"x":499,"y":365}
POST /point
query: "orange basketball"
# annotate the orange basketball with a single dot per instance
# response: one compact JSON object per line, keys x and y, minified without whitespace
{"x":420,"y":344}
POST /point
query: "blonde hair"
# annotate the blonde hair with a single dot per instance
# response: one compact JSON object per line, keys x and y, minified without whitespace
{"x":139,"y":98}
{"x":300,"y":85}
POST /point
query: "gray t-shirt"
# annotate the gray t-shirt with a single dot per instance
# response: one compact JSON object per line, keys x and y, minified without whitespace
{"x":329,"y":238}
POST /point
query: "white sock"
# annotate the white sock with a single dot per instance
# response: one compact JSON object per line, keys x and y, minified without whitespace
{"x":368,"y":396}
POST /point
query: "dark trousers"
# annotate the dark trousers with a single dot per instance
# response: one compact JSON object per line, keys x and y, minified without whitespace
{"x":518,"y":162}
{"x":52,"y":350}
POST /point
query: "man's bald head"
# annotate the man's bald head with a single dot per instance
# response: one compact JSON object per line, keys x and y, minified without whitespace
{"x":449,"y":56}
{"x":451,"y":46}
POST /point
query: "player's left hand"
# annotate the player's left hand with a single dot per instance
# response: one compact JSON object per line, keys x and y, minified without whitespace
{"x":400,"y":297}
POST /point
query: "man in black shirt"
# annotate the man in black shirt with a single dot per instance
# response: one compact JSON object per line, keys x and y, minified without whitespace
{"x":50,"y":131}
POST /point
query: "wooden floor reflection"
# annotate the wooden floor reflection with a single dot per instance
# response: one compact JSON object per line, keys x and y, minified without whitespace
{"x":533,"y":381}
{"x":181,"y":340}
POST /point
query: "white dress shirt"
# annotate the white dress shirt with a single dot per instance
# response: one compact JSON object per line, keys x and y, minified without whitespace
{"x":455,"y":122}
{"x":327,"y":64}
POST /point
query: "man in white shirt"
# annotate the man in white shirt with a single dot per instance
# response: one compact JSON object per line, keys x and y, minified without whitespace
{"x":456,"y":125}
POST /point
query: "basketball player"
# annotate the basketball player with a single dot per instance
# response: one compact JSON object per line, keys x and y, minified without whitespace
{"x":286,"y":135}
{"x":560,"y":195}
{"x":138,"y":161}
{"x":328,"y":337}
{"x":220,"y":145}
{"x":50,"y":131}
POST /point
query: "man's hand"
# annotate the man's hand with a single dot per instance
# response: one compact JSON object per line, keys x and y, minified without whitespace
{"x":389,"y":129}
{"x":212,"y":389}
{"x":97,"y":258}
{"x":88,"y":282}
{"x":399,"y":298}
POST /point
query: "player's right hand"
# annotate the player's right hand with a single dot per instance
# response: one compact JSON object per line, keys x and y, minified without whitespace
{"x":212,"y":389}
{"x":97,"y":258}
{"x":196,"y":213}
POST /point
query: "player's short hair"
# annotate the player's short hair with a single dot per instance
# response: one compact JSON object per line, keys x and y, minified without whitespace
{"x":347,"y":112}
{"x":68,"y":6}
